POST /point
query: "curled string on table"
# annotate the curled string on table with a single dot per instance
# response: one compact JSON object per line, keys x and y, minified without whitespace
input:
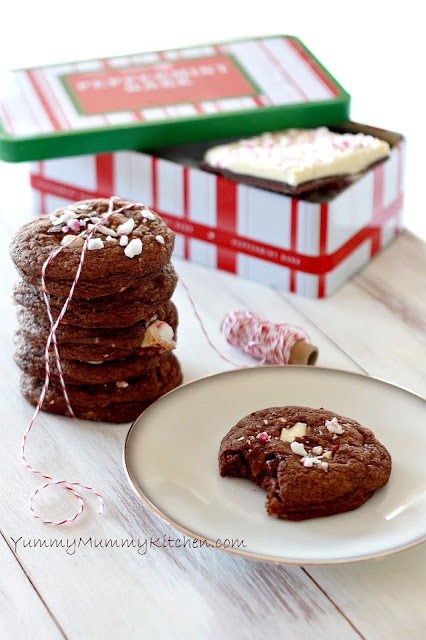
{"x":69,"y":486}
{"x":203,"y":328}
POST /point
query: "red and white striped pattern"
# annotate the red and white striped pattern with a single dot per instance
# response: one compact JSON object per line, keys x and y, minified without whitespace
{"x":265,"y":341}
{"x":306,"y":248}
{"x":36,"y":102}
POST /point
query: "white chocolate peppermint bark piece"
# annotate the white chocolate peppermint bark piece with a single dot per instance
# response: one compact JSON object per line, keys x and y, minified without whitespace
{"x":296,"y":156}
{"x":159,"y":334}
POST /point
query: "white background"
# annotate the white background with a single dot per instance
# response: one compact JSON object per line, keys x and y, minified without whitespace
{"x":374,"y":48}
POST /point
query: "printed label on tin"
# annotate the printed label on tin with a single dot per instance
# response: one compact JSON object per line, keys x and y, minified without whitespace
{"x":167,"y":83}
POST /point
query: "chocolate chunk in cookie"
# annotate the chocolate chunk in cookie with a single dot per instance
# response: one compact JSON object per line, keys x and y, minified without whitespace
{"x":79,"y":343}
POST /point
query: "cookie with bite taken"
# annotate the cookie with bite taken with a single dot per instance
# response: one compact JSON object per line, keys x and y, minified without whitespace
{"x":310,"y":462}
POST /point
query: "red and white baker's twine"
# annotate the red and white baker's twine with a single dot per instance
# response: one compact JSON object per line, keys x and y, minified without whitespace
{"x":262,"y":340}
{"x":69,"y":486}
{"x":265,"y":341}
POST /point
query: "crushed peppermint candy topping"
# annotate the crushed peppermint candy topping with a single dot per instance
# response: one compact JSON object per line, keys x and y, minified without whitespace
{"x":265,"y":422}
{"x":134,"y":248}
{"x":317,"y":451}
{"x":309,"y":461}
{"x":121,"y":384}
{"x":333,"y":426}
{"x":335,"y":447}
{"x":263,"y":436}
{"x":239,"y":439}
{"x":298,"y":449}
{"x":126,"y":228}
{"x":84,"y":222}
{"x":95,"y":243}
{"x":74,"y":224}
{"x":148,"y":214}
{"x":327,"y":454}
{"x":64,"y":218}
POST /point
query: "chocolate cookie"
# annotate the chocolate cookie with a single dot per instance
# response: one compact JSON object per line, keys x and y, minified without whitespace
{"x":78,"y":343}
{"x":102,"y":287}
{"x":119,"y":402}
{"x":311,"y":462}
{"x":118,"y":310}
{"x":30,"y":359}
{"x":140,"y":242}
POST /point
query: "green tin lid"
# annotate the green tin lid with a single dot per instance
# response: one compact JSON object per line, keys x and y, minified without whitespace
{"x":140,"y":101}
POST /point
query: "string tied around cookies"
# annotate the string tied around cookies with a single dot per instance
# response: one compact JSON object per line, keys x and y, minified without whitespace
{"x":69,"y":486}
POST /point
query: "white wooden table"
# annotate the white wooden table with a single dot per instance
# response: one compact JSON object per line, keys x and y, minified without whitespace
{"x":374,"y":324}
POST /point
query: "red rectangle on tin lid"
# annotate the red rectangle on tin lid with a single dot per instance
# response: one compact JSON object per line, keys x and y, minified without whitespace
{"x":166,"y":83}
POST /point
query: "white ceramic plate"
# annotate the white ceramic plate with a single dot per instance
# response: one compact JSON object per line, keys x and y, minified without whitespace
{"x":171,"y":460}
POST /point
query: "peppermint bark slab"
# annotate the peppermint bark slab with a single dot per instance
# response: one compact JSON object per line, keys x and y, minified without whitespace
{"x":297,"y":161}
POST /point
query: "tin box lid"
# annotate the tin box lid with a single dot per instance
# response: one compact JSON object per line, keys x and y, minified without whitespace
{"x":140,"y":101}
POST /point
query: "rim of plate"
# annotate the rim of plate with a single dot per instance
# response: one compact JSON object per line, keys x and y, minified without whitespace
{"x":248,"y":554}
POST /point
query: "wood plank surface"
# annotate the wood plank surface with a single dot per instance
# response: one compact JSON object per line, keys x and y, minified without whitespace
{"x":22,"y":608}
{"x":374,"y":324}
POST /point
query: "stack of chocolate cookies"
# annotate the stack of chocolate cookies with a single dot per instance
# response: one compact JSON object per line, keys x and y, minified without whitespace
{"x":116,"y":339}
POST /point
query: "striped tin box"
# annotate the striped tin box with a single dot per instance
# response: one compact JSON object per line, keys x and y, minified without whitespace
{"x":112,"y":108}
{"x":299,"y":246}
